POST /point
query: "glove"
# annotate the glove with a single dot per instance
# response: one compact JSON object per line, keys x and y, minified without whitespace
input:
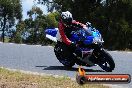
{"x":77,"y":26}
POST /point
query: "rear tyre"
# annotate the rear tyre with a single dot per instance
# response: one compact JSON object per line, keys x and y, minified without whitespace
{"x":107,"y":62}
{"x":64,"y":55}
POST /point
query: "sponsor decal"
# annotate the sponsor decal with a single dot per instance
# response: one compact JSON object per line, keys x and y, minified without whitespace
{"x":83,"y":78}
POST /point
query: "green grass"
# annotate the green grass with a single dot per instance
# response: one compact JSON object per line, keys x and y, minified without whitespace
{"x":16,"y":79}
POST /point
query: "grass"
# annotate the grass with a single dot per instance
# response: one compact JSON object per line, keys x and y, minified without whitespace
{"x":16,"y":79}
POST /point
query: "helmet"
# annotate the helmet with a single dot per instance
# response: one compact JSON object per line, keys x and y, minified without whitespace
{"x":66,"y":17}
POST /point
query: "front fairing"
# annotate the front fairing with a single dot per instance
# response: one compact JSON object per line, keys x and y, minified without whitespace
{"x":87,"y":36}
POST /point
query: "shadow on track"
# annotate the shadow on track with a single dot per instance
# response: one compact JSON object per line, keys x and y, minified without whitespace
{"x":65,"y":68}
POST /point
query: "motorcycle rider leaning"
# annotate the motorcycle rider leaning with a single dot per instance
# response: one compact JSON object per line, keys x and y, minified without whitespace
{"x":66,"y":26}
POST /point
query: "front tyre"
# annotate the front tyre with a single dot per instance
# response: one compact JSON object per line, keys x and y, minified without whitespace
{"x":107,"y":63}
{"x":64,"y":55}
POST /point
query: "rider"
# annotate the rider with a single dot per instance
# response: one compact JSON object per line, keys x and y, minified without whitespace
{"x":66,"y":26}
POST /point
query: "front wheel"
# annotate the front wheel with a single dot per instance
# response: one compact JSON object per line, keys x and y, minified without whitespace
{"x":107,"y":63}
{"x":64,"y":55}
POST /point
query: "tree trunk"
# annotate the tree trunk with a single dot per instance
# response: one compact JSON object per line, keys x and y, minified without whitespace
{"x":3,"y":29}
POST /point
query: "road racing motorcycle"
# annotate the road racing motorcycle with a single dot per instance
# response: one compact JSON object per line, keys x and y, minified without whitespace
{"x":90,"y":53}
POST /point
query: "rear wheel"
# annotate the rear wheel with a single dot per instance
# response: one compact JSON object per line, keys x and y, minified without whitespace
{"x":64,"y":55}
{"x":107,"y":63}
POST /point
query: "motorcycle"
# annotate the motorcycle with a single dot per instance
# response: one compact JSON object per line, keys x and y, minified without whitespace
{"x":89,"y":53}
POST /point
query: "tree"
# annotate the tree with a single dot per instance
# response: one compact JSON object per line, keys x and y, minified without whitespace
{"x":34,"y":11}
{"x":118,"y":23}
{"x":10,"y":12}
{"x":37,"y":23}
{"x":20,"y":27}
{"x":34,"y":15}
{"x":82,"y":10}
{"x":52,"y":19}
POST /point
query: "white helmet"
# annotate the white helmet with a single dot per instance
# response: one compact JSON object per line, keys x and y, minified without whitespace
{"x":66,"y":17}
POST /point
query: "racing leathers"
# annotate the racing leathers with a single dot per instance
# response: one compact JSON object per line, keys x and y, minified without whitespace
{"x":65,"y":31}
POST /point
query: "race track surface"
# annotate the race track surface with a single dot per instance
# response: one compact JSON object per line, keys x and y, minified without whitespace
{"x":42,"y":59}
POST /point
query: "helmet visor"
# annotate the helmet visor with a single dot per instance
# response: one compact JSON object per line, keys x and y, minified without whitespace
{"x":67,"y":21}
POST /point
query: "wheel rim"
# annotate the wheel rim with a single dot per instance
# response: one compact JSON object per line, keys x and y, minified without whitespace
{"x":106,"y":61}
{"x":105,"y":66}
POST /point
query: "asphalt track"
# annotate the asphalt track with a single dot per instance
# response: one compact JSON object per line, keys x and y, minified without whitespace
{"x":42,"y":59}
